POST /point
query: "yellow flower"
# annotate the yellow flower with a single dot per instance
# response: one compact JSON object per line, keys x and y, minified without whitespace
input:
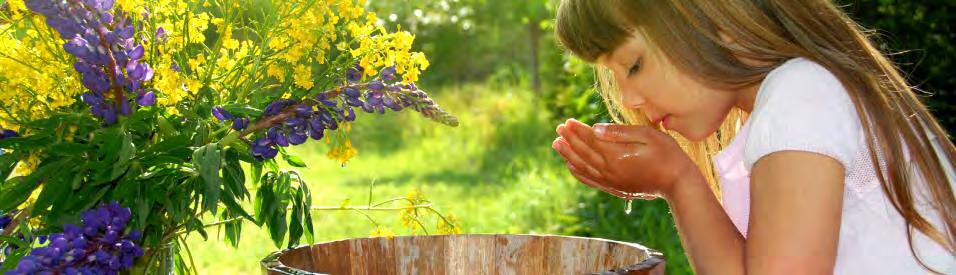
{"x":302,"y":76}
{"x":276,"y":71}
{"x":193,"y":85}
{"x":17,"y":6}
{"x":409,"y":219}
{"x":231,"y":44}
{"x":343,"y":152}
{"x":33,"y":80}
{"x":71,"y":132}
{"x":449,"y":225}
{"x":217,"y":21}
{"x":381,"y":231}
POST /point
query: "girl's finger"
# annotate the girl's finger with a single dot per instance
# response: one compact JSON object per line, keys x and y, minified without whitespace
{"x":623,"y":133}
{"x":561,"y":145}
{"x":581,"y":139}
{"x":618,"y":149}
{"x":578,"y":174}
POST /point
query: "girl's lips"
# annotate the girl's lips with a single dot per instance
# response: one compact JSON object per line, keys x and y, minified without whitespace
{"x":665,"y":122}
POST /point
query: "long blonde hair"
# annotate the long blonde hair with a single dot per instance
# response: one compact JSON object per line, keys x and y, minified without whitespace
{"x":773,"y":31}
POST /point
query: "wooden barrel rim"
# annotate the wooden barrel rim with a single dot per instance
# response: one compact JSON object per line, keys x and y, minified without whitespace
{"x":271,"y":262}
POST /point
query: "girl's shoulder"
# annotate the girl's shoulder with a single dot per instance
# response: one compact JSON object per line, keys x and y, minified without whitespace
{"x":802,"y":106}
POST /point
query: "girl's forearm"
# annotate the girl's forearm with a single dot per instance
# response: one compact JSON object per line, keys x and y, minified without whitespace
{"x":712,"y":243}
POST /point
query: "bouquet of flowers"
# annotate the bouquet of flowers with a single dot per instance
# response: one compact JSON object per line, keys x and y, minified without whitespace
{"x":125,"y":124}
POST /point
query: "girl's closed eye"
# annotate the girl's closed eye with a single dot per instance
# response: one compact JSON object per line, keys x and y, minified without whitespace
{"x":635,"y":68}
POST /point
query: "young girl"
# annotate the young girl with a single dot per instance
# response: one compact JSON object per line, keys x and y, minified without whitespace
{"x":828,"y":162}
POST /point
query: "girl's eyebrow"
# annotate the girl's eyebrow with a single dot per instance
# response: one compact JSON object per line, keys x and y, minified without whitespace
{"x":623,"y":62}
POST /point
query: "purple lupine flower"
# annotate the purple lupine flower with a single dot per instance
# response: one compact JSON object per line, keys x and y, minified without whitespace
{"x":146,"y":99}
{"x":376,"y":86}
{"x":108,"y":57}
{"x":5,"y":220}
{"x":7,"y":133}
{"x":100,"y":246}
{"x":388,"y":74}
{"x":240,"y":123}
{"x":354,"y":74}
{"x":277,"y":136}
{"x":220,"y":113}
{"x":277,"y":106}
{"x":297,"y":137}
{"x":374,"y":98}
{"x":354,"y":101}
{"x":351,"y":92}
{"x":394,"y":88}
{"x":310,"y":118}
{"x":391,"y":103}
{"x":262,"y":149}
{"x":161,"y":34}
{"x":303,"y":110}
{"x":349,"y":114}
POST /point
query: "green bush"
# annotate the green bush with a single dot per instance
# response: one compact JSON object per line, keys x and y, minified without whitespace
{"x":920,"y":35}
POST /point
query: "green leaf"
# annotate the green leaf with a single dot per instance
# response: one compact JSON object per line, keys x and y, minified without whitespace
{"x":14,"y":241}
{"x":55,"y":189}
{"x":233,"y":232}
{"x":124,"y":156}
{"x":242,"y":110}
{"x":28,"y":143}
{"x":16,"y":190}
{"x":233,"y":185}
{"x":233,"y":175}
{"x":293,"y":160}
{"x":14,"y":257}
{"x":195,"y":225}
{"x":256,"y":173}
{"x":307,"y":210}
{"x":108,"y":140}
{"x":7,"y":162}
{"x":200,"y":134}
{"x":295,"y":221}
{"x":265,"y":199}
{"x":175,"y":145}
{"x":207,"y":161}
{"x":277,"y":227}
{"x":68,"y":149}
{"x":87,"y":197}
{"x":229,"y":200}
{"x":143,"y":205}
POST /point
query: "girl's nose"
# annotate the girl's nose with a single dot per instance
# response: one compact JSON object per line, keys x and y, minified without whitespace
{"x":632,"y":100}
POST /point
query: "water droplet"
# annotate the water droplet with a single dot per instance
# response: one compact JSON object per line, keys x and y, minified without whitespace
{"x":627,"y":206}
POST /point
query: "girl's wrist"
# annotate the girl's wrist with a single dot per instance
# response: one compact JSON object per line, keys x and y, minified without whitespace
{"x":685,"y":186}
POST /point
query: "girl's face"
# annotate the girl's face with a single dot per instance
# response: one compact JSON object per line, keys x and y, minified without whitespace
{"x":650,"y":82}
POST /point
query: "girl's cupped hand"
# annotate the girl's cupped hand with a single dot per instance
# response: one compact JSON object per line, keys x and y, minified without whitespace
{"x":627,"y":161}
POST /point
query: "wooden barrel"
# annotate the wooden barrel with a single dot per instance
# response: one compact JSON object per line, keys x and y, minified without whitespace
{"x":468,"y":254}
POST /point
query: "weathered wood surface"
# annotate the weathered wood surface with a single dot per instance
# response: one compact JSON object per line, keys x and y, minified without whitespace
{"x":468,"y":254}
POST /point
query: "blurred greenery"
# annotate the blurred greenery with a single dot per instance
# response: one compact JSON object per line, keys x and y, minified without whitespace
{"x":497,"y":66}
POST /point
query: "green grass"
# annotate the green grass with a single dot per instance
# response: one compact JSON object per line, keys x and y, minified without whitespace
{"x":496,"y":173}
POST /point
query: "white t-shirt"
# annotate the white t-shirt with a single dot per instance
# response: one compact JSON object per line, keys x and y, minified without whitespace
{"x":801,"y":106}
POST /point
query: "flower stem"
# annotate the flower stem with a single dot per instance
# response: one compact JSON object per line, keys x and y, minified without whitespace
{"x":367,"y":208}
{"x":15,"y":222}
